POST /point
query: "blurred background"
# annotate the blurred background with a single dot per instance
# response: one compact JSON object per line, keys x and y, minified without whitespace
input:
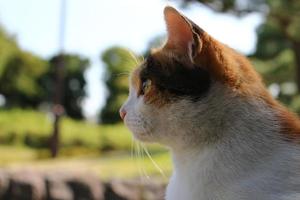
{"x":64,"y":69}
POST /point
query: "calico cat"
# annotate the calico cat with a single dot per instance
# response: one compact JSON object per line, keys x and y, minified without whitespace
{"x":229,"y":139}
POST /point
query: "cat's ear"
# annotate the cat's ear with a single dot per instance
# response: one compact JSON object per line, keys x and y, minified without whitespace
{"x":182,"y":35}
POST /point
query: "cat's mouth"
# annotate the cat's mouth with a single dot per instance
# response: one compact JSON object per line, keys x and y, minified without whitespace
{"x":141,"y":136}
{"x":138,"y":130}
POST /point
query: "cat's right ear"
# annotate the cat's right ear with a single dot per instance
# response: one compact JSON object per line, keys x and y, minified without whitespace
{"x":182,"y":35}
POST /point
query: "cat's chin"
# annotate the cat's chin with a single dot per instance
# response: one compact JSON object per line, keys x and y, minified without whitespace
{"x":143,"y":137}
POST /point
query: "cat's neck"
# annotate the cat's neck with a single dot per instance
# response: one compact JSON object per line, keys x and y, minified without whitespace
{"x":250,"y":147}
{"x":245,"y":152}
{"x":247,"y":137}
{"x":237,"y":153}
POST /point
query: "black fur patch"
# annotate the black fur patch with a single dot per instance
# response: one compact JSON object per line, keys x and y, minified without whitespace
{"x":176,"y":78}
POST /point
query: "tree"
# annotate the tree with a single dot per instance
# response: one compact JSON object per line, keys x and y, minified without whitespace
{"x":27,"y":80}
{"x":119,"y":62}
{"x":19,"y":74}
{"x":231,"y":6}
{"x":74,"y":83}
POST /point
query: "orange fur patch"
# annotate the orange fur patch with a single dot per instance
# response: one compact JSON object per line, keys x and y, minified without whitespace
{"x":290,"y":126}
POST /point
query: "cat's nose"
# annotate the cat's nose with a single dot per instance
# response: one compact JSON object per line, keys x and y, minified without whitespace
{"x":122,"y":113}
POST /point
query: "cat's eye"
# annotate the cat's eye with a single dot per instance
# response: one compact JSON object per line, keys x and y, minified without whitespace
{"x":146,"y":86}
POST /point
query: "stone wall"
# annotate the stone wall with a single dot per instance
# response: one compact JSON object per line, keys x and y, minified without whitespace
{"x":33,"y":185}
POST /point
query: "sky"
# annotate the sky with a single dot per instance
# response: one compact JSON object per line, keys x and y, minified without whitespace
{"x":91,"y":26}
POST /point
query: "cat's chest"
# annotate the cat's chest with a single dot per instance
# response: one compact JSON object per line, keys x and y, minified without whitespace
{"x":193,"y":184}
{"x":180,"y":189}
{"x":193,"y":188}
{"x":193,"y":177}
{"x":206,"y":186}
{"x":201,"y":179}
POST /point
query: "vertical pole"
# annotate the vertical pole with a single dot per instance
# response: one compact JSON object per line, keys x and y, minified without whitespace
{"x":59,"y":64}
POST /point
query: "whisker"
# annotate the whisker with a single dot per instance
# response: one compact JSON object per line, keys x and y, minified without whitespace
{"x":141,"y":159}
{"x":132,"y":148}
{"x":134,"y":57}
{"x":137,"y":160}
{"x":121,"y":74}
{"x":153,"y":162}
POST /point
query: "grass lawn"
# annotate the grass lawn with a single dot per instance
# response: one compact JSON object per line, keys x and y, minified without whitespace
{"x":108,"y":166}
{"x":106,"y":150}
{"x":28,"y":127}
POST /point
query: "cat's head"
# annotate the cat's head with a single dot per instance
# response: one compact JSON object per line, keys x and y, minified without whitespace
{"x":182,"y":91}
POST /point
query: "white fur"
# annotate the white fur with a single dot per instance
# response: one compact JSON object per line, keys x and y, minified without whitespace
{"x":224,"y":147}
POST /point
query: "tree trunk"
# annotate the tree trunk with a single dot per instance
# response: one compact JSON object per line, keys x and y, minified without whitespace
{"x":296,"y":49}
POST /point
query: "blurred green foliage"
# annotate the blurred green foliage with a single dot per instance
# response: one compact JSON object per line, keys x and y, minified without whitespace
{"x":73,"y":86}
{"x":277,"y":54}
{"x":119,"y":63}
{"x":27,"y":81}
{"x":19,"y":73}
